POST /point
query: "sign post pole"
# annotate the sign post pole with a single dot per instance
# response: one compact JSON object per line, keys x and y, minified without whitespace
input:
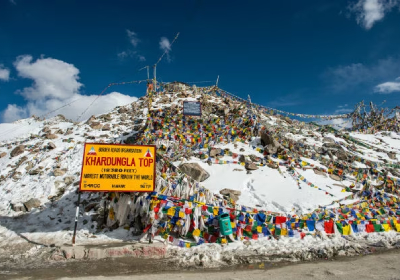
{"x":76,"y":217}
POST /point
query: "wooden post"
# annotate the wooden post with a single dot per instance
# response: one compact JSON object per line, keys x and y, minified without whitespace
{"x":155,"y":77}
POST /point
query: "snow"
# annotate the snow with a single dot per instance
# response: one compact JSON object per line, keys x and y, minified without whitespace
{"x":264,"y":189}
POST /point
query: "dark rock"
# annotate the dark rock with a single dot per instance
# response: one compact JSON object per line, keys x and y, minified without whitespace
{"x":106,"y":127}
{"x":18,"y":207}
{"x":251,"y":166}
{"x":215,"y":151}
{"x":232,"y":194}
{"x":91,"y":206}
{"x":392,"y":155}
{"x":254,"y":158}
{"x":96,"y":125}
{"x":68,"y":180}
{"x":266,"y":139}
{"x":318,"y":172}
{"x":17,"y":150}
{"x":272,"y":165}
{"x":342,"y":155}
{"x":29,"y":166}
{"x":34,"y":171}
{"x":50,"y":136}
{"x":195,"y":171}
{"x":329,"y":140}
{"x":123,"y":110}
{"x":58,"y":172}
{"x":335,"y":177}
{"x":51,"y":145}
{"x":32,"y":203}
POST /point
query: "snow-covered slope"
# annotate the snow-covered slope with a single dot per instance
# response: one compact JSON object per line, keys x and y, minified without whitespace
{"x":41,"y":159}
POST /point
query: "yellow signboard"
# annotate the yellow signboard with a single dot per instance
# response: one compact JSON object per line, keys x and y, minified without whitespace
{"x":118,"y":168}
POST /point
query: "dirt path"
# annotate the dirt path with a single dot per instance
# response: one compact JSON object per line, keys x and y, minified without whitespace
{"x":380,"y":266}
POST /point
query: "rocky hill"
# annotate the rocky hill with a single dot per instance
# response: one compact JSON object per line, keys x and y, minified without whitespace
{"x":271,"y":173}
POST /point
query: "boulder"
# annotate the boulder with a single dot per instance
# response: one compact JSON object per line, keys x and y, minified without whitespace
{"x":392,"y":155}
{"x":266,"y":139}
{"x":17,"y":150}
{"x":34,"y":171}
{"x":335,"y":177}
{"x":3,"y":154}
{"x":215,"y":151}
{"x":46,"y":129}
{"x":50,"y":136}
{"x":272,"y":165}
{"x":319,"y":172}
{"x":29,"y":166}
{"x":91,"y":119}
{"x":68,"y":180}
{"x":58,"y":172}
{"x":232,"y":194}
{"x":254,"y":158}
{"x":96,"y":125}
{"x":106,"y":127}
{"x":242,"y":158}
{"x":195,"y":171}
{"x":107,"y":117}
{"x":123,"y":110}
{"x":251,"y":166}
{"x":342,"y":155}
{"x":51,"y":146}
{"x":32,"y":203}
{"x":329,"y":140}
{"x":18,"y":207}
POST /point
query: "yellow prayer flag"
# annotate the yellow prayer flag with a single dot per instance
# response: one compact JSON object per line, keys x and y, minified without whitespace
{"x":171,"y":211}
{"x":386,"y":227}
{"x":215,"y":211}
{"x":346,"y":230}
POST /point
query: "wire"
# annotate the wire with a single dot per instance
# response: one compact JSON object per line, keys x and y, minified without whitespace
{"x":166,"y":51}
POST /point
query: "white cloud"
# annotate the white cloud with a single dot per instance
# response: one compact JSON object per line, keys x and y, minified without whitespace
{"x":132,"y":38}
{"x":165,"y":45}
{"x":343,"y":109}
{"x":55,"y":84}
{"x":338,"y":123}
{"x":4,"y":73}
{"x":123,"y":54}
{"x":388,"y":87}
{"x":52,"y":78}
{"x":349,"y":77}
{"x":14,"y":112}
{"x":368,"y":12}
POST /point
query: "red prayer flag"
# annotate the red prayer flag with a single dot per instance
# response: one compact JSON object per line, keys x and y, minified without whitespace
{"x":370,"y":228}
{"x":328,"y":226}
{"x":280,"y":220}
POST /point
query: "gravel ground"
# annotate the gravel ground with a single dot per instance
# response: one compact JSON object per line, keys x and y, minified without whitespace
{"x":381,"y":265}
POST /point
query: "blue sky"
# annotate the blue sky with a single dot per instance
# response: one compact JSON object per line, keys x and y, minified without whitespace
{"x":312,"y":57}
